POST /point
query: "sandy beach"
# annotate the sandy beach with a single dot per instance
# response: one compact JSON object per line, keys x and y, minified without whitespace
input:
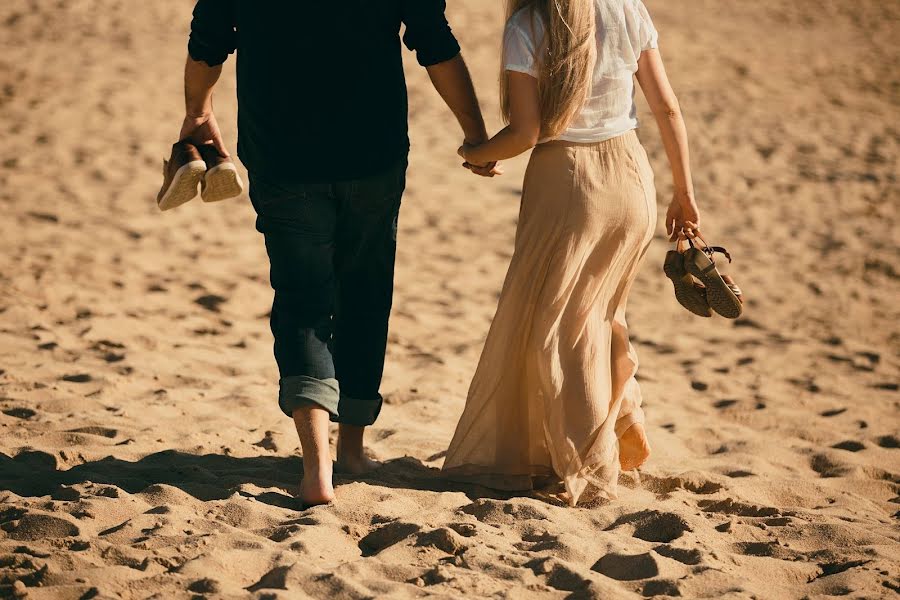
{"x":143,"y":454}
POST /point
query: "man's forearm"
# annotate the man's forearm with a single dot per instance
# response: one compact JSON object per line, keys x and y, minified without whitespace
{"x":454,"y":83}
{"x":199,"y":81}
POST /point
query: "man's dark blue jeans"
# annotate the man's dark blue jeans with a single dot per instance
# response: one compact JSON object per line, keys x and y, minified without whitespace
{"x":331,"y":247}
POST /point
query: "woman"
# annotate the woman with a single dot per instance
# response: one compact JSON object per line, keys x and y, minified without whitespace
{"x":554,"y":394}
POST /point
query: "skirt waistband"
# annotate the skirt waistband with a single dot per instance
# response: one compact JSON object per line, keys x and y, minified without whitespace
{"x":626,"y":140}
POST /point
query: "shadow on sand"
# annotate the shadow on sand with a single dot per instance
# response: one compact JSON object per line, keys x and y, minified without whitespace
{"x":212,"y":476}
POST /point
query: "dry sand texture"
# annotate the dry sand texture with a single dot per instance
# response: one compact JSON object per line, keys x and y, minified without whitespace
{"x":143,"y":454}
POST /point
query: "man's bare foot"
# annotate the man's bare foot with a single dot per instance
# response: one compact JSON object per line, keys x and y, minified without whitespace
{"x":355,"y":465}
{"x":351,"y":455}
{"x":634,"y":449}
{"x":316,"y":488}
{"x":312,"y":427}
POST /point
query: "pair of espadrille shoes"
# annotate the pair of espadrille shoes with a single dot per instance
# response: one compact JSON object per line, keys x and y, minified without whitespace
{"x":191,"y":168}
{"x":699,"y":286}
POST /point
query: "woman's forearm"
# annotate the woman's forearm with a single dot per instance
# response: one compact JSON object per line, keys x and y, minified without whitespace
{"x":508,"y":143}
{"x":651,"y":75}
{"x":675,"y":140}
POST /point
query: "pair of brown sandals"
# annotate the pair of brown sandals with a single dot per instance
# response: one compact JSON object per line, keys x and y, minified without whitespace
{"x":699,"y":286}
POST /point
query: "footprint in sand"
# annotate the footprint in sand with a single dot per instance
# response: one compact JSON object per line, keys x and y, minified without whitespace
{"x":211,"y":302}
{"x":888,"y":387}
{"x":729,"y":506}
{"x":386,"y":536}
{"x":100,"y":431}
{"x":276,"y":578}
{"x":19,"y":412}
{"x":833,"y":412}
{"x":205,"y":586}
{"x":562,"y":577}
{"x":764,"y":549}
{"x":889,"y":441}
{"x":283,"y":533}
{"x":738,"y":473}
{"x":828,"y":467}
{"x":833,"y":568}
{"x":685,"y":556}
{"x":654,"y":526}
{"x":692,"y":481}
{"x":627,"y":567}
{"x":778,"y":522}
{"x":78,"y":378}
{"x":111,"y":352}
{"x":850,"y":446}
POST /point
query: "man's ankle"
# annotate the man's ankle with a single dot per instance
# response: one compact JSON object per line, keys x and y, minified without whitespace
{"x":350,"y":439}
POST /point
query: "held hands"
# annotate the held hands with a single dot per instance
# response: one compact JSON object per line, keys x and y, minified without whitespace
{"x":683,"y":217}
{"x":490,"y":169}
{"x":201,"y":130}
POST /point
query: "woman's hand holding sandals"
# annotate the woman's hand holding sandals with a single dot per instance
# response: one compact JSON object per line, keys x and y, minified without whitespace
{"x":683,"y":217}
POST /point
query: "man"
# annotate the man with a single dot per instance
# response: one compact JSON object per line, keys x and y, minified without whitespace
{"x":322,"y":129}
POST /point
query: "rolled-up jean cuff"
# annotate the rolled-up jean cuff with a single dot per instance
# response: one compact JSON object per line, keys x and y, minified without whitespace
{"x":362,"y":413}
{"x":300,"y":391}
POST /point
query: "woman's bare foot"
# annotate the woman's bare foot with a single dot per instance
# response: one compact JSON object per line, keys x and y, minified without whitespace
{"x":634,"y":449}
{"x":316,"y":487}
{"x":351,"y":455}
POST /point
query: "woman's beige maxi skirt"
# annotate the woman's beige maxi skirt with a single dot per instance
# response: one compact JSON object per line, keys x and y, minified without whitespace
{"x":555,"y":385}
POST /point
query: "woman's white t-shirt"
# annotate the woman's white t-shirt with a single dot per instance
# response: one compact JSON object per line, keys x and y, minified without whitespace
{"x":624,"y":30}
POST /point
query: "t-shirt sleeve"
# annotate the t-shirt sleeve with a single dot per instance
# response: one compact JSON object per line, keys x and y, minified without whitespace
{"x":649,"y":37}
{"x":213,"y":31}
{"x":519,"y":49}
{"x":428,"y":33}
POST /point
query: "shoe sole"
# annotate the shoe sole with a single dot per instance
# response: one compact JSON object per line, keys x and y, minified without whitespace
{"x":685,"y":292}
{"x":184,"y":185}
{"x":719,"y":296}
{"x":222,"y":182}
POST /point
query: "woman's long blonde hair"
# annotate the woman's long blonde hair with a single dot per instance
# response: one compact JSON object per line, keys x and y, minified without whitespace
{"x":565,"y":59}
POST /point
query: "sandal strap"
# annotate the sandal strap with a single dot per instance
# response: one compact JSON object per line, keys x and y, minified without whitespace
{"x":710,"y":250}
{"x":732,"y":285}
{"x":711,"y":267}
